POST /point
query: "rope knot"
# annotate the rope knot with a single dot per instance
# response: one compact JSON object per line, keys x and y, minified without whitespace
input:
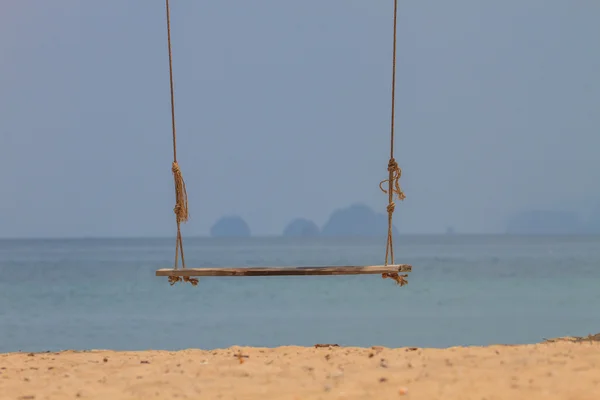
{"x":393,"y":188}
{"x":181,"y":201}
{"x":391,"y":207}
{"x":400,"y":279}
{"x":193,"y":281}
{"x":394,"y":180}
{"x":174,"y":279}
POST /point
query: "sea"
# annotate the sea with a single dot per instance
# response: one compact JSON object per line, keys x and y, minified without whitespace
{"x":58,"y":294}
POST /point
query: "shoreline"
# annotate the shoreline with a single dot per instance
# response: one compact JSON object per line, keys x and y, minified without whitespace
{"x":570,"y":339}
{"x":559,"y":368}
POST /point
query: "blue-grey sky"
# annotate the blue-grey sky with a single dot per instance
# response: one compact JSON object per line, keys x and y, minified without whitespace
{"x":283,"y":111}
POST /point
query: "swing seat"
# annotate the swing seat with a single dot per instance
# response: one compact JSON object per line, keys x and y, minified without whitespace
{"x":286,"y":271}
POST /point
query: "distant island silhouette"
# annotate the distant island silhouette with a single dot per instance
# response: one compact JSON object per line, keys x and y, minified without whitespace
{"x":230,"y":226}
{"x":359,"y":220}
{"x":301,"y":227}
{"x":356,"y":220}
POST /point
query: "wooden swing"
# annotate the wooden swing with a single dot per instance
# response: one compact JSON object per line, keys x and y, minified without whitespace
{"x":388,"y":270}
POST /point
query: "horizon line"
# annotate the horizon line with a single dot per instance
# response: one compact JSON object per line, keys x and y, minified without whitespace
{"x":279,"y":236}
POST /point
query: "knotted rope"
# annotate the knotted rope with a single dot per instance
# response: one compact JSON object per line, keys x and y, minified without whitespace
{"x":394,"y":171}
{"x":181,"y":200}
{"x":174,"y":279}
{"x":400,"y":279}
{"x":393,"y":189}
{"x":181,"y":215}
{"x":180,"y":210}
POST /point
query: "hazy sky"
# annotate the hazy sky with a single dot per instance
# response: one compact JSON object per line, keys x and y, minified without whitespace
{"x":283,"y":111}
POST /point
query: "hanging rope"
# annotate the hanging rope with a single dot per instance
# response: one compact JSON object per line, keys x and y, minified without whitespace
{"x":394,"y":172}
{"x":181,"y":201}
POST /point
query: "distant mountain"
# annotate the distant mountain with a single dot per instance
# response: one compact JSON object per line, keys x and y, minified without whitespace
{"x":230,"y":226}
{"x":301,"y":227}
{"x":356,"y":220}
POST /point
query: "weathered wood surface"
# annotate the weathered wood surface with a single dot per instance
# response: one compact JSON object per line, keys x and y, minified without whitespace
{"x":286,"y":271}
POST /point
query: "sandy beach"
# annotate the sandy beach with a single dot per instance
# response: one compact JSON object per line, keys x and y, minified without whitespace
{"x":562,"y":369}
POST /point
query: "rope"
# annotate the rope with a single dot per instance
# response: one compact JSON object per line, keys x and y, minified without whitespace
{"x":174,"y":279}
{"x":393,"y":190}
{"x":181,"y":201}
{"x":394,"y":171}
{"x":400,"y":279}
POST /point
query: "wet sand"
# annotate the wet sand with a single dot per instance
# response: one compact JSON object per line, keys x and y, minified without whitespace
{"x":562,"y":369}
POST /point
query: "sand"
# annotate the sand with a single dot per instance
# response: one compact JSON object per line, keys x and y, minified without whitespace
{"x":557,"y":370}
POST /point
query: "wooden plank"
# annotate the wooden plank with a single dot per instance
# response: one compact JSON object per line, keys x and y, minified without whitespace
{"x":286,"y":271}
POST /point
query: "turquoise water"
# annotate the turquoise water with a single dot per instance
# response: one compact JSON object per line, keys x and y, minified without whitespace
{"x":464,"y":290}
